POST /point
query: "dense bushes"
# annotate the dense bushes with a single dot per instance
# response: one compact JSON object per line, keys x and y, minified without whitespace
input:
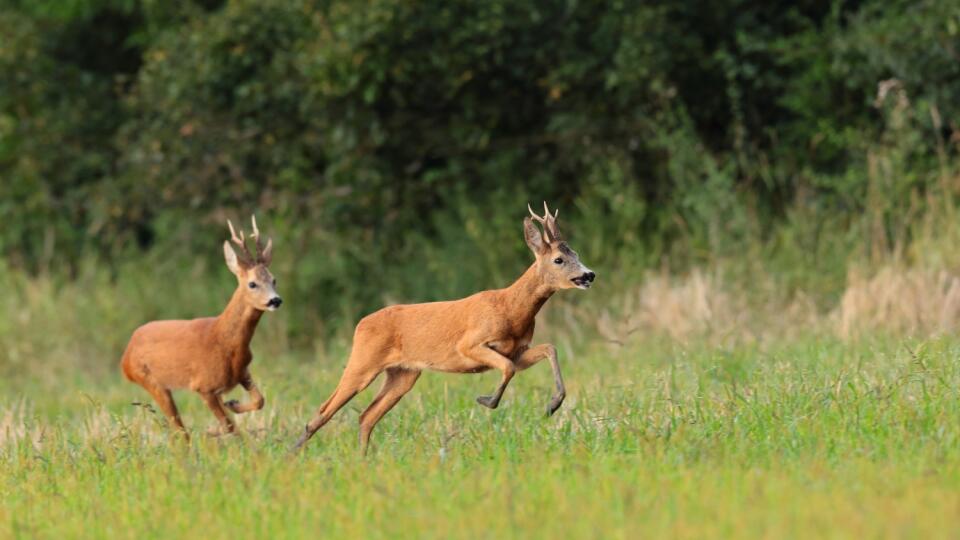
{"x":389,"y":133}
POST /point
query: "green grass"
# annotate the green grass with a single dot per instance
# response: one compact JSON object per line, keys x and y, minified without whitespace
{"x":797,"y":438}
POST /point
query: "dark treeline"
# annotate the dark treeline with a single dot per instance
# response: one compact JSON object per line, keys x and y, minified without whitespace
{"x":366,"y":131}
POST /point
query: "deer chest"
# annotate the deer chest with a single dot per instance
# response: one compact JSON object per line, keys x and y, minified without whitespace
{"x":512,"y":339}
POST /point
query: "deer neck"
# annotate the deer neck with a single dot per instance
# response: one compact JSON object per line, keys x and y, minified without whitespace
{"x":528,"y":294}
{"x":235,"y":326}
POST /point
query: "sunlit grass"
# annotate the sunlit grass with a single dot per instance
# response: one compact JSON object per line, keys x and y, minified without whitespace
{"x":695,"y":409}
{"x":807,"y":437}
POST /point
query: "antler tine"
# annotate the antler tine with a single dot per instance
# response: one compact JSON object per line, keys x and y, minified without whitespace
{"x":256,"y":238}
{"x":256,"y":231}
{"x":546,"y":211}
{"x":534,"y":215}
{"x":243,"y":253}
{"x":233,"y":235}
{"x":550,"y":223}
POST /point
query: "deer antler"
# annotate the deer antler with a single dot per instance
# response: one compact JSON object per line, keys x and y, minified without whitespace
{"x":243,"y":254}
{"x":263,"y":252}
{"x":256,"y":236}
{"x":548,"y":221}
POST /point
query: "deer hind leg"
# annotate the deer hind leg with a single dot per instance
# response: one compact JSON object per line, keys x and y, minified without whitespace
{"x":256,"y":398}
{"x":216,"y":406}
{"x":353,"y":381}
{"x":164,"y":399}
{"x":399,"y":382}
{"x":533,"y":355}
{"x":492,"y":359}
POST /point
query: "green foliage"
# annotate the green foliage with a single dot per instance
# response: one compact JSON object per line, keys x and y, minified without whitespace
{"x":396,"y":135}
{"x":55,"y":127}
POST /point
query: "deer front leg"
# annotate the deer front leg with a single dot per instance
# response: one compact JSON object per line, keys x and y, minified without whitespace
{"x":216,"y":406}
{"x":256,"y":398}
{"x":492,"y":359}
{"x":533,"y":355}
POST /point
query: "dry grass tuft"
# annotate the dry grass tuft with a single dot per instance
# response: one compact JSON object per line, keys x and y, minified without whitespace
{"x":16,"y":425}
{"x":899,"y":300}
{"x":146,"y":427}
{"x":698,"y":305}
{"x":895,"y":300}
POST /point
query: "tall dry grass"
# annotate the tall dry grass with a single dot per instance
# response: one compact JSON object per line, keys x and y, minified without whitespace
{"x":902,"y":301}
{"x":894,"y":300}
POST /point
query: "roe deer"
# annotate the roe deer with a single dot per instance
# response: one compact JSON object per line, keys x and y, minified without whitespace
{"x":209,"y":356}
{"x":489,"y":330}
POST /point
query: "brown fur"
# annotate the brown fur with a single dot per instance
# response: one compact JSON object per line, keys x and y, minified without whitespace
{"x":488,"y":330}
{"x":210,"y":356}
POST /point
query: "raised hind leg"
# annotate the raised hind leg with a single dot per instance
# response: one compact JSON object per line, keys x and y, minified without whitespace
{"x":353,"y":381}
{"x":399,"y":382}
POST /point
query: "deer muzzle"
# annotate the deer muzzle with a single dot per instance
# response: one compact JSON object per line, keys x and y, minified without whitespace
{"x":584,"y":280}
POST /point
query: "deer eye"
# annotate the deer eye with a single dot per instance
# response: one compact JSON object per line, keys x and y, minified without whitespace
{"x":252,"y":285}
{"x":558,"y":260}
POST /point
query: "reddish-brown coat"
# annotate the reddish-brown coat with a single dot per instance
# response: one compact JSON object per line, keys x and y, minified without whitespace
{"x":488,"y":330}
{"x":210,"y":356}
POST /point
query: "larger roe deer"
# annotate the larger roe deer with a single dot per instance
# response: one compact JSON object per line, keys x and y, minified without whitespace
{"x":489,"y":330}
{"x":210,"y":356}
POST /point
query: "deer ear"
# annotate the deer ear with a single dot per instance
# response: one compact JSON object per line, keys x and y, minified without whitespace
{"x":231,"y":257}
{"x":267,"y":255}
{"x":533,"y":237}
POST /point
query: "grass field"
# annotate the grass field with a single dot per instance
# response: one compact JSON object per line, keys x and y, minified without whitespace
{"x":770,"y":199}
{"x":797,"y":436}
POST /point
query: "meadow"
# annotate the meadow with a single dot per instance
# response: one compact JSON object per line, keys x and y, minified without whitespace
{"x":687,"y":416}
{"x":769,"y":196}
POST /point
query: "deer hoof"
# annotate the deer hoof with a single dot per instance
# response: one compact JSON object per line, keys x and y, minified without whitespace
{"x":233,"y":405}
{"x":488,"y":401}
{"x":220,"y":431}
{"x":554,"y":404}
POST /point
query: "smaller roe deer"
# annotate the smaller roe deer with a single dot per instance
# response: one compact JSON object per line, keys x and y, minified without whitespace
{"x":209,"y":356}
{"x":489,"y":330}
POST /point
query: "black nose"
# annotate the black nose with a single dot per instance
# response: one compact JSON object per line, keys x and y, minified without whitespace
{"x":275,"y":302}
{"x":590,"y":276}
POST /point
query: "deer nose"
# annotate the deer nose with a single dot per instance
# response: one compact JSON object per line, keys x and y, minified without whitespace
{"x":275,"y":302}
{"x":589,"y":276}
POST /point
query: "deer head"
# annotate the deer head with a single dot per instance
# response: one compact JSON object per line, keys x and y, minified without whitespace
{"x":559,"y":266}
{"x":253,"y":276}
